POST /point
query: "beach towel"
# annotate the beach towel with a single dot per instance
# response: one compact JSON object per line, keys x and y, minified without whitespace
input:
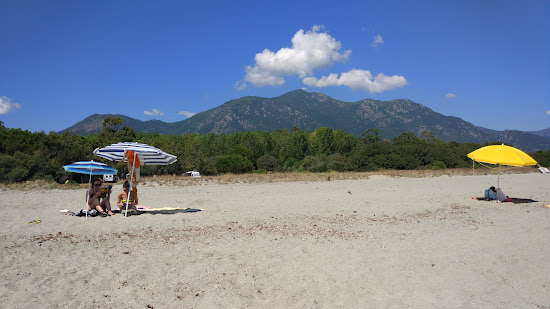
{"x":512,"y":200}
{"x":169,"y":210}
{"x":135,"y":165}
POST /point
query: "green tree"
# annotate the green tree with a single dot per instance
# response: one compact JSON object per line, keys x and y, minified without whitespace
{"x":234,"y":163}
{"x":542,"y":157}
{"x":126,"y":134}
{"x":371,"y":136}
{"x":243,"y":151}
{"x":267,"y":162}
{"x":110,"y":125}
{"x":320,"y":141}
{"x":405,"y":137}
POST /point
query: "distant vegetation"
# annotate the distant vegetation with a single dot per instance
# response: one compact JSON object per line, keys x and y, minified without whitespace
{"x":26,"y":155}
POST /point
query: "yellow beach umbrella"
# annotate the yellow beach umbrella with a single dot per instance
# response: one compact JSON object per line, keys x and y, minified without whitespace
{"x":501,"y":155}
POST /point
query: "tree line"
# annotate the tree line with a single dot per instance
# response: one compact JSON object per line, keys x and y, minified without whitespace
{"x":26,"y":155}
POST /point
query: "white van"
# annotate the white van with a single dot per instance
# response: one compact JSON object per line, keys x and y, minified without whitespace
{"x":192,"y":174}
{"x":108,"y":178}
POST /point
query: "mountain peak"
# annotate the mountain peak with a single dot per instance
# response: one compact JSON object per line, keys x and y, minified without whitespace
{"x":294,"y":93}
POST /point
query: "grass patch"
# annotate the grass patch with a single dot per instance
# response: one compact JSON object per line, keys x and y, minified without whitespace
{"x":278,"y":177}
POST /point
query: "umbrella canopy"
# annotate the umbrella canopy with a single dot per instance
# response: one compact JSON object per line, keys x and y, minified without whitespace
{"x":90,"y":168}
{"x":502,"y":155}
{"x":148,"y":155}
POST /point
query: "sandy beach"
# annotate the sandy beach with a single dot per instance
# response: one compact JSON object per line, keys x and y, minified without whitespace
{"x":381,"y":242}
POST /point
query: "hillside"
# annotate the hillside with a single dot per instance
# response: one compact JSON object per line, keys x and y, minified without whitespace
{"x":309,"y":111}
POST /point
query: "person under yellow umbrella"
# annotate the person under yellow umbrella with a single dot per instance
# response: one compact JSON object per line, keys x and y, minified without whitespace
{"x":502,"y":155}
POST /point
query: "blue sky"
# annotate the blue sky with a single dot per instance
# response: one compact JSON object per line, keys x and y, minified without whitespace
{"x":487,"y":62}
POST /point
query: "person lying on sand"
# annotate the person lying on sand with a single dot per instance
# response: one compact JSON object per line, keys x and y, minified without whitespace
{"x":99,"y":200}
{"x":123,"y":197}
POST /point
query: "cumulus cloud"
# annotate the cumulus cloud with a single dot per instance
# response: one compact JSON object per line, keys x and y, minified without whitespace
{"x":187,"y":114}
{"x":358,"y":80}
{"x":310,"y":50}
{"x":6,"y":105}
{"x":377,"y":41}
{"x":154,"y":112}
{"x":450,"y":96}
{"x":548,"y":113}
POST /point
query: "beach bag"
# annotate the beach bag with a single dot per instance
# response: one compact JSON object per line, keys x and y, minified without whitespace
{"x":490,"y":195}
{"x":82,"y":213}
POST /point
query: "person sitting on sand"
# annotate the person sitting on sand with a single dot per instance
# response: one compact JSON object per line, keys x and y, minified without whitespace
{"x":123,"y":197}
{"x":501,"y":197}
{"x":98,"y":200}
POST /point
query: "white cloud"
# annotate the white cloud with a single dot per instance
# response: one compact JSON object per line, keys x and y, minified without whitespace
{"x":6,"y":105}
{"x":358,"y":80}
{"x":548,"y":113}
{"x":240,"y":85}
{"x":310,"y":50}
{"x":377,"y":41}
{"x":450,"y":96}
{"x":154,"y":112}
{"x":187,"y":114}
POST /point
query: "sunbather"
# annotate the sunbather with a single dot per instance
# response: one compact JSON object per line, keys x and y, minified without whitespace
{"x":500,"y":195}
{"x":122,"y":198}
{"x":98,"y":200}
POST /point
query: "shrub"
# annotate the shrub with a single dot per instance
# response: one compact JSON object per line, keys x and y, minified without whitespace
{"x":267,"y":162}
{"x":234,"y":163}
{"x":315,"y":164}
{"x":438,"y":165}
{"x":18,"y":174}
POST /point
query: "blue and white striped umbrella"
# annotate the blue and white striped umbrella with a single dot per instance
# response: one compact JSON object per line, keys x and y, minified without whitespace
{"x":148,"y":155}
{"x":90,"y":168}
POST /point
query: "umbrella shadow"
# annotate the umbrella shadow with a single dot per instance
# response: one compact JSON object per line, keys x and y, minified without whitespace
{"x":522,"y":200}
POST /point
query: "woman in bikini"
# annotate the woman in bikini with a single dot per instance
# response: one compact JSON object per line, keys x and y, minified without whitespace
{"x":99,"y":201}
{"x":123,"y":197}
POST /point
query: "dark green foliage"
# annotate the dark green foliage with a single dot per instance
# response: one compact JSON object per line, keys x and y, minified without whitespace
{"x":267,"y":162}
{"x":438,"y":165}
{"x":234,"y":163}
{"x":243,"y":151}
{"x":542,"y":157}
{"x":17,"y":174}
{"x":26,"y":156}
{"x":371,"y":136}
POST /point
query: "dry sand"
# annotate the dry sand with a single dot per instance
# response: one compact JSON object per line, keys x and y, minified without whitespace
{"x":381,"y":242}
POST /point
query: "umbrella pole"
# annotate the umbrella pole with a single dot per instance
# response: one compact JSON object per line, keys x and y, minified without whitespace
{"x":498,"y":182}
{"x":88,"y":193}
{"x":131,"y":180}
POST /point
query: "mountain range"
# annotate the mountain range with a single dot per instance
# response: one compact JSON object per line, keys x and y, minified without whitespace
{"x":308,"y":111}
